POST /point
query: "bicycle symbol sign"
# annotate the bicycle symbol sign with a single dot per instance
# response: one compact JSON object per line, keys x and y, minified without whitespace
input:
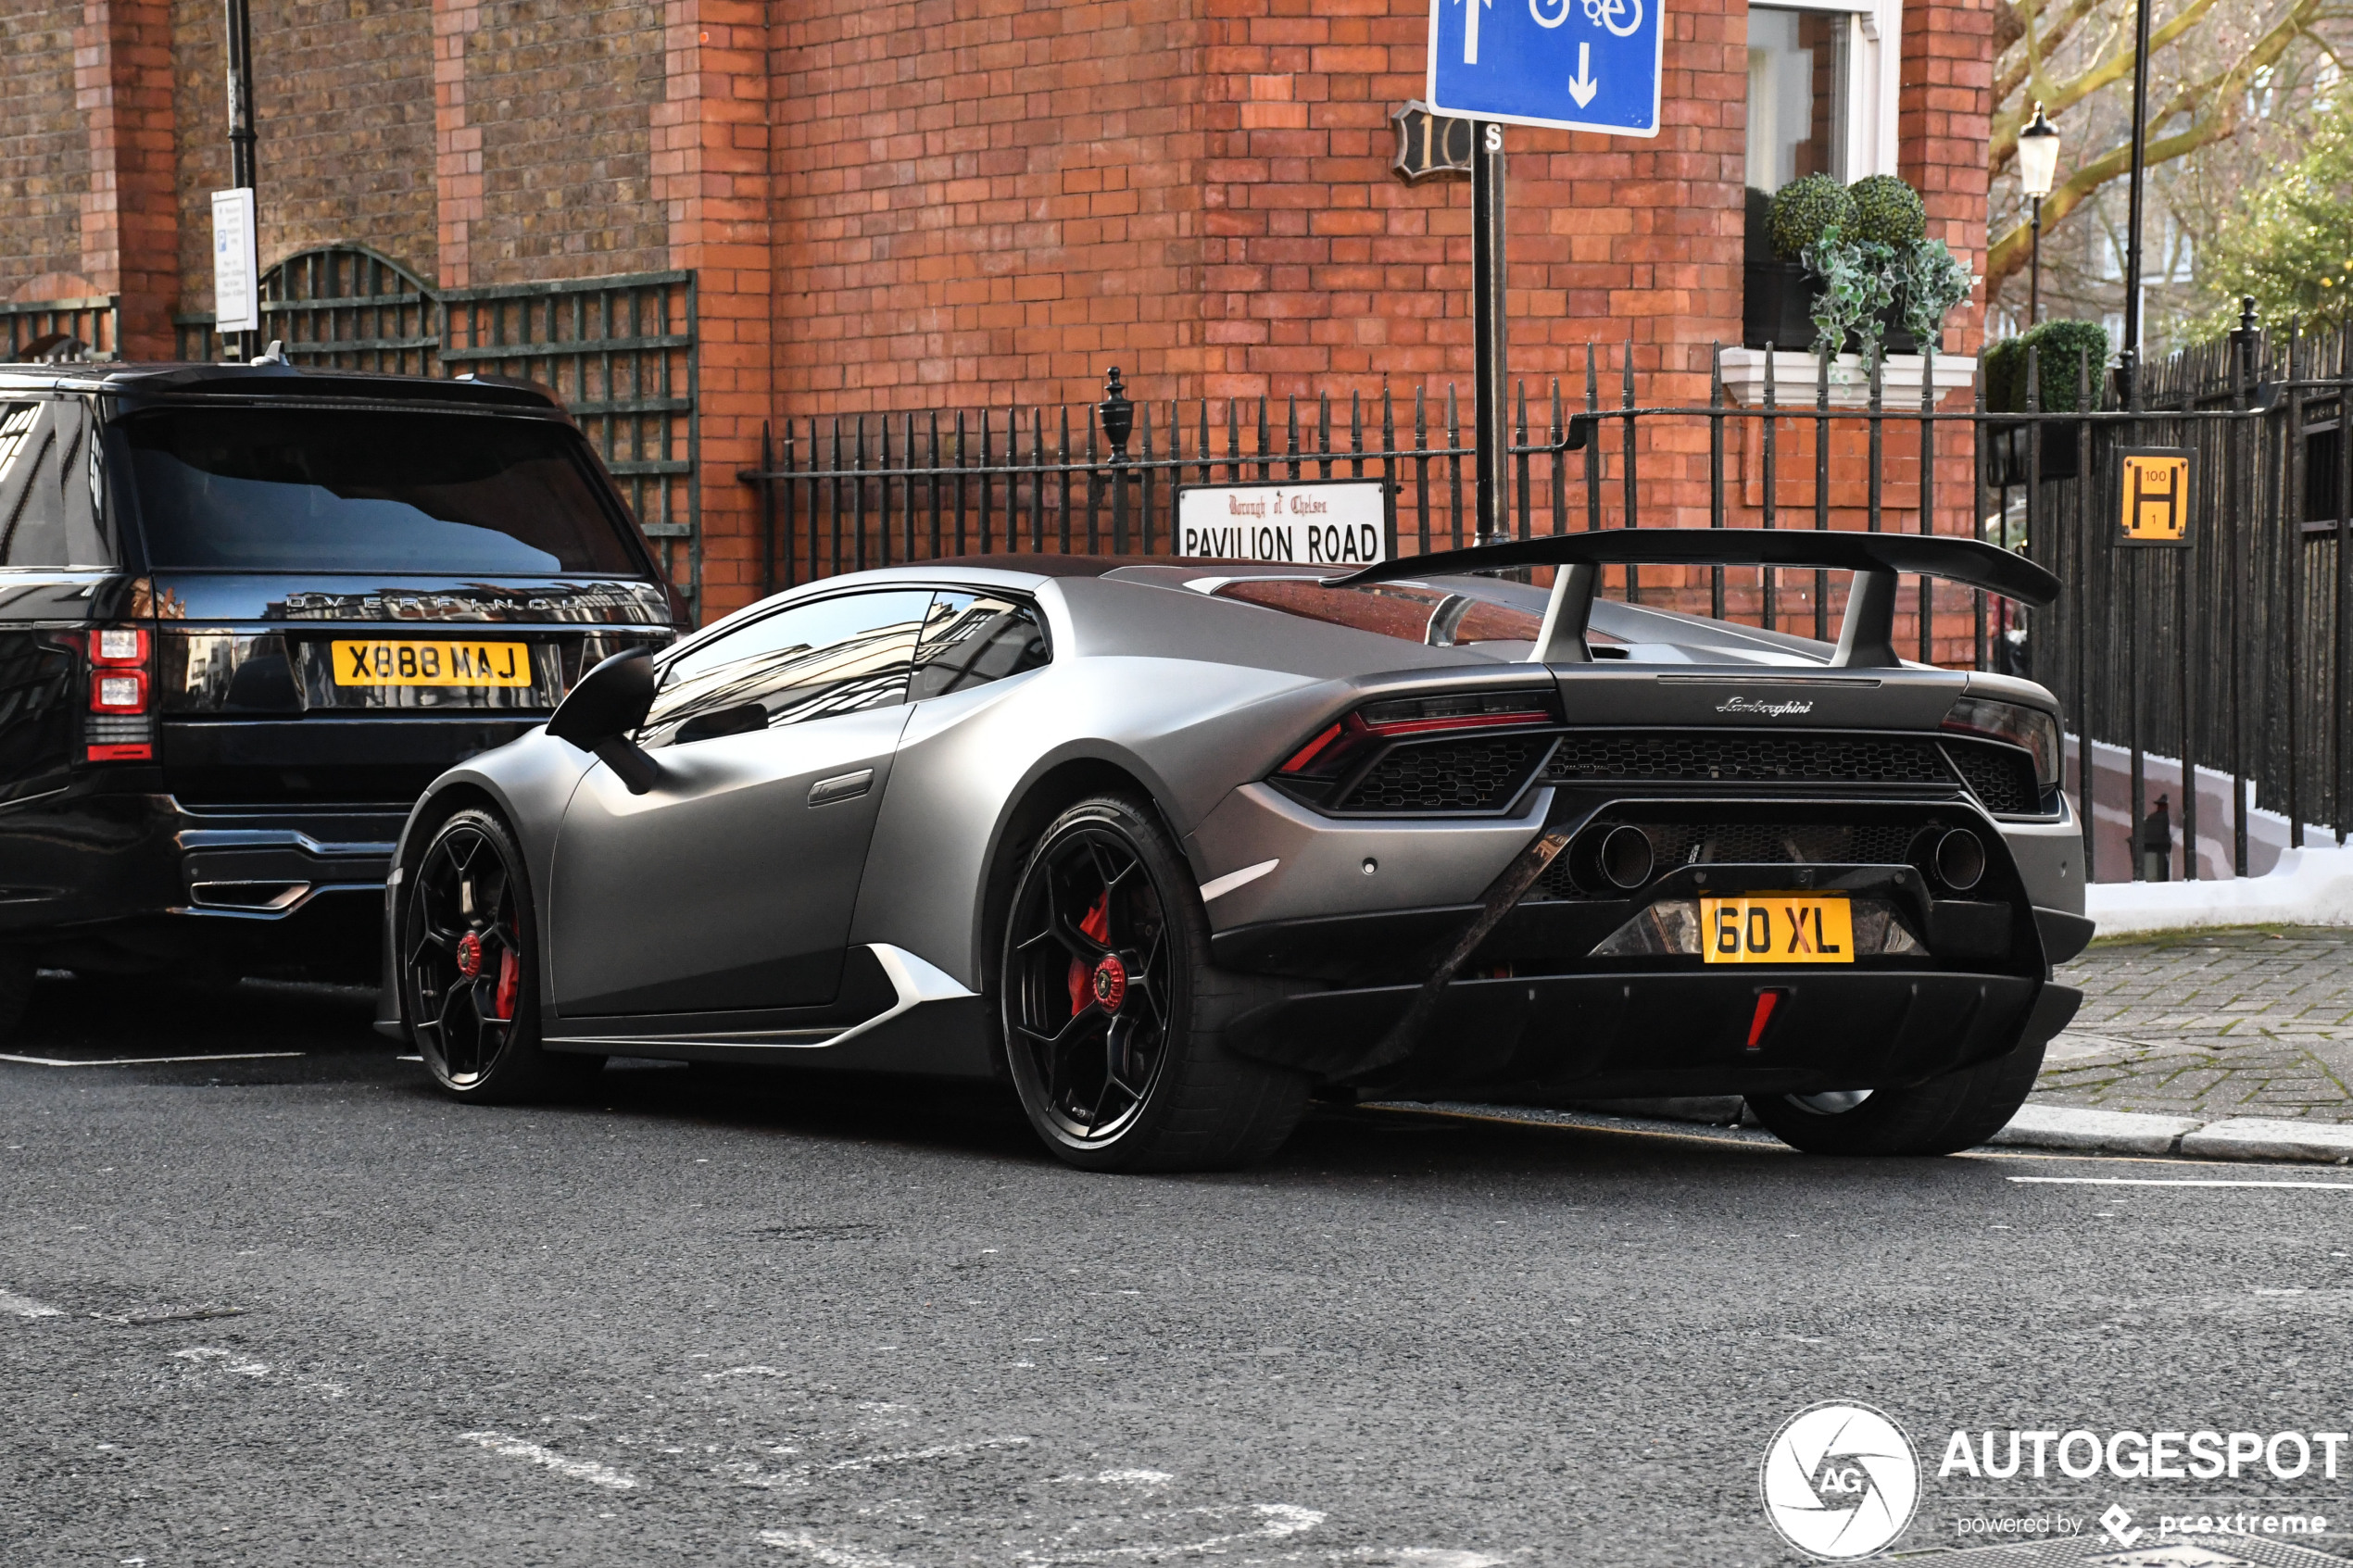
{"x":1583,"y":65}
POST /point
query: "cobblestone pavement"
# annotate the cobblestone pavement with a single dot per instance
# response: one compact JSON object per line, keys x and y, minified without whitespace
{"x":2212,"y":1024}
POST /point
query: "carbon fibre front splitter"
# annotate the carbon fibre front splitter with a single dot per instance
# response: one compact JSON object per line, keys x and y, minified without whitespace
{"x":1681,"y":1033}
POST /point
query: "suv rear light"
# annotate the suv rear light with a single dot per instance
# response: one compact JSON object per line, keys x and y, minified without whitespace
{"x":120,"y":728}
{"x":1330,"y":751}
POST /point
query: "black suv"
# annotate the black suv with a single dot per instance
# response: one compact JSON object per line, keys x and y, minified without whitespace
{"x":246,"y":613}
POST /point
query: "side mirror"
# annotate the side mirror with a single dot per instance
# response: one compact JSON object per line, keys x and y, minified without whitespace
{"x":609,"y":701}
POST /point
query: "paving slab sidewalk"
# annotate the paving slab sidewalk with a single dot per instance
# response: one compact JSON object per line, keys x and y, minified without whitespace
{"x":2233,"y":1043}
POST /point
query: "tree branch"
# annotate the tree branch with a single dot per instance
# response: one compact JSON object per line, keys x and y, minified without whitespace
{"x":2216,"y":103}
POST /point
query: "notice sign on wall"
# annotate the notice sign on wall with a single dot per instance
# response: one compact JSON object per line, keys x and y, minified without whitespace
{"x":237,"y":295}
{"x":1310,"y":521}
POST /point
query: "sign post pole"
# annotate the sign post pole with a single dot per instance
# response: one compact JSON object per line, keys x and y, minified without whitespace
{"x":1490,"y":330}
{"x":1571,"y":65}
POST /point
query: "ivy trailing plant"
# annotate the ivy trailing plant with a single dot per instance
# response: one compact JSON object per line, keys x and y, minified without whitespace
{"x":1934,"y":282}
{"x":1856,"y":291}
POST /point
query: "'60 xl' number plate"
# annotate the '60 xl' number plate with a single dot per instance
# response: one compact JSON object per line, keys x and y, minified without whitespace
{"x":1777,"y":928}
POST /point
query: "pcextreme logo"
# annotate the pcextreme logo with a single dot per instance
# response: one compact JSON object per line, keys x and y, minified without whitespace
{"x":1840,"y":1481}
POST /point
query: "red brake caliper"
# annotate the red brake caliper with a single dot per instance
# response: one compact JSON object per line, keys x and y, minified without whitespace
{"x":1097,"y":925}
{"x":509,"y":981}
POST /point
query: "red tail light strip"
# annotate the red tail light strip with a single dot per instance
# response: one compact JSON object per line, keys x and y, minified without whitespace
{"x":1460,"y":721}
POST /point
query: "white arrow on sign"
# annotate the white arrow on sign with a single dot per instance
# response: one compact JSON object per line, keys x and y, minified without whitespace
{"x":1470,"y":30}
{"x":1582,"y":86}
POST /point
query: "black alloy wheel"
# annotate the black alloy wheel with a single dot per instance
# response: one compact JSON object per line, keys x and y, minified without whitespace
{"x":469,"y":985}
{"x":1943,"y":1116}
{"x":1111,"y":1014}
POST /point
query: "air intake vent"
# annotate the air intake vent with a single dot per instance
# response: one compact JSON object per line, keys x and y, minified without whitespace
{"x":1476,"y":775}
{"x":1700,"y":757}
{"x":2001,"y":776}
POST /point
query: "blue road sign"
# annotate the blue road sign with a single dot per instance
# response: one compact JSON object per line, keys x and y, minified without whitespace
{"x":1580,"y":65}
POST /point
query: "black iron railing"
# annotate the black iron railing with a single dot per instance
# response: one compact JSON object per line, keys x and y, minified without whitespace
{"x":2230,"y":655}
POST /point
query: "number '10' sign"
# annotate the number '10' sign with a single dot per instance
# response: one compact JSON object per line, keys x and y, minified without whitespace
{"x":1432,"y":146}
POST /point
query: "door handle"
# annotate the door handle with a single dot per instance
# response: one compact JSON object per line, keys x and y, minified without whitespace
{"x":841,"y":786}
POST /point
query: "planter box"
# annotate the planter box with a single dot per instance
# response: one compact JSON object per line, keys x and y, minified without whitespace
{"x":1794,"y":375}
{"x":1776,"y":300}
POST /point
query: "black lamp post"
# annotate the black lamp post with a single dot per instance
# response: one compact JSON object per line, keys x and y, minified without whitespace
{"x":2128,"y":359}
{"x":2038,"y":150}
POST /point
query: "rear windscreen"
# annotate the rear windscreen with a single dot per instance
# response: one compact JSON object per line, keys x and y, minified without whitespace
{"x":355,"y":490}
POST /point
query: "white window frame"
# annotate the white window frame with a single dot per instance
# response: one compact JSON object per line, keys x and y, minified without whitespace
{"x":1874,"y":78}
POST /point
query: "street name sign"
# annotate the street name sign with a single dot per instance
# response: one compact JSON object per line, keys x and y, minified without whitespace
{"x":1574,"y":65}
{"x":1312,"y":521}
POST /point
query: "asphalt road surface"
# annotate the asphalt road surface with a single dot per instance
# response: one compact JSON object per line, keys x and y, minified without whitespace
{"x":294,"y":1309}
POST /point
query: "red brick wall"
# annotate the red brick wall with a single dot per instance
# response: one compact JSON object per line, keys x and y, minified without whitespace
{"x":985,"y":201}
{"x":130,"y":220}
{"x":44,"y":151}
{"x":560,"y":92}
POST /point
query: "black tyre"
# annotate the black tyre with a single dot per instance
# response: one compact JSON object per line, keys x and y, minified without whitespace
{"x":470,"y":976}
{"x":1943,"y":1116}
{"x":1114,"y":1017}
{"x":16,"y":989}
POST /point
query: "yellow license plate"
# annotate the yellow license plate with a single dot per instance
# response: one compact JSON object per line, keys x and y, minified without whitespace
{"x":1777,"y":928}
{"x":440,"y":662}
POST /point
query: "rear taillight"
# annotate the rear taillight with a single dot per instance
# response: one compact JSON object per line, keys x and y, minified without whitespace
{"x":1332,"y":749}
{"x":120,"y":728}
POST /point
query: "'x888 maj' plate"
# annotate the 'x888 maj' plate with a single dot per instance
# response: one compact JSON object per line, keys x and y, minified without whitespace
{"x":1777,"y":928}
{"x":436,"y":662}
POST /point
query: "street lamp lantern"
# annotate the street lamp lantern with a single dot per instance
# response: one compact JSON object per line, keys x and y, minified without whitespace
{"x":2038,"y":150}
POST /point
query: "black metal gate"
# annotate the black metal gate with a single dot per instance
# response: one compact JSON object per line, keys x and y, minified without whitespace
{"x":619,"y":351}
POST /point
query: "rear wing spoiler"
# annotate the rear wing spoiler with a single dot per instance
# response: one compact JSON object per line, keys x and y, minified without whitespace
{"x":1867,"y":638}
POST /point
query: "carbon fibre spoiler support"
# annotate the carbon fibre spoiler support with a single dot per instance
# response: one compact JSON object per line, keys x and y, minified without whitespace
{"x":1866,"y":637}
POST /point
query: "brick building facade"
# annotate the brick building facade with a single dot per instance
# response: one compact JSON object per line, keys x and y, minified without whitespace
{"x":938,"y":204}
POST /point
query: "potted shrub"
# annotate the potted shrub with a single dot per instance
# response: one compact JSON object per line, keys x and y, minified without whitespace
{"x":2062,"y":351}
{"x":1853,"y":261}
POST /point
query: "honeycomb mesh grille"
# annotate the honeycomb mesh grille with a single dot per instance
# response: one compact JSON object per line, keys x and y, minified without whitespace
{"x":1750,"y":844}
{"x":1701,"y":755}
{"x":1448,"y":776}
{"x":2002,"y":776}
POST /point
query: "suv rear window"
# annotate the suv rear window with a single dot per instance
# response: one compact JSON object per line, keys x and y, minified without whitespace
{"x":417,"y":493}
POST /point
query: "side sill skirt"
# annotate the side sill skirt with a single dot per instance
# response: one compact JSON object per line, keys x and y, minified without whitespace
{"x":915,"y":980}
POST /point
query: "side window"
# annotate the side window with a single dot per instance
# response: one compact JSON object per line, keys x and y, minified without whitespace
{"x":836,"y":655}
{"x":971,"y":639}
{"x":49,"y":467}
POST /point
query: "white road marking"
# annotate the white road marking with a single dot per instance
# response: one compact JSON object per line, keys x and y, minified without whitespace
{"x":578,"y":1469}
{"x":26,"y":1307}
{"x":242,"y":1366}
{"x":2174,"y":1182}
{"x":1278,"y":1520}
{"x":832,"y":1556}
{"x":146,"y":1061}
{"x":746,"y":1372}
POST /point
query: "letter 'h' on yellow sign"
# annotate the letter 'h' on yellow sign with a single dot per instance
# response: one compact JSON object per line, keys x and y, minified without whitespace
{"x":2153,"y":496}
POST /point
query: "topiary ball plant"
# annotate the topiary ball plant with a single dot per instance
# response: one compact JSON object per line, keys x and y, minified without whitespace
{"x":1888,"y":211}
{"x":1804,"y":210}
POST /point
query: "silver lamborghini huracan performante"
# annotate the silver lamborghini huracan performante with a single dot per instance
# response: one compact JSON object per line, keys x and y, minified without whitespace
{"x":1176,"y":846}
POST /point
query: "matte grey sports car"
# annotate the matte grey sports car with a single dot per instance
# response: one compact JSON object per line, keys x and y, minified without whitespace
{"x":1174,"y":846}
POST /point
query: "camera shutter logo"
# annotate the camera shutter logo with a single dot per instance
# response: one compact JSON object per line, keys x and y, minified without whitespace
{"x":1840,"y":1481}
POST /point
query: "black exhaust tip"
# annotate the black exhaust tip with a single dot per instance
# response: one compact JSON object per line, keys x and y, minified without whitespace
{"x":1626,"y":857}
{"x":1960,"y":859}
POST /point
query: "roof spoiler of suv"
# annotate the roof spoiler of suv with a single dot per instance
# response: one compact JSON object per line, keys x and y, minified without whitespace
{"x":1867,"y":638}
